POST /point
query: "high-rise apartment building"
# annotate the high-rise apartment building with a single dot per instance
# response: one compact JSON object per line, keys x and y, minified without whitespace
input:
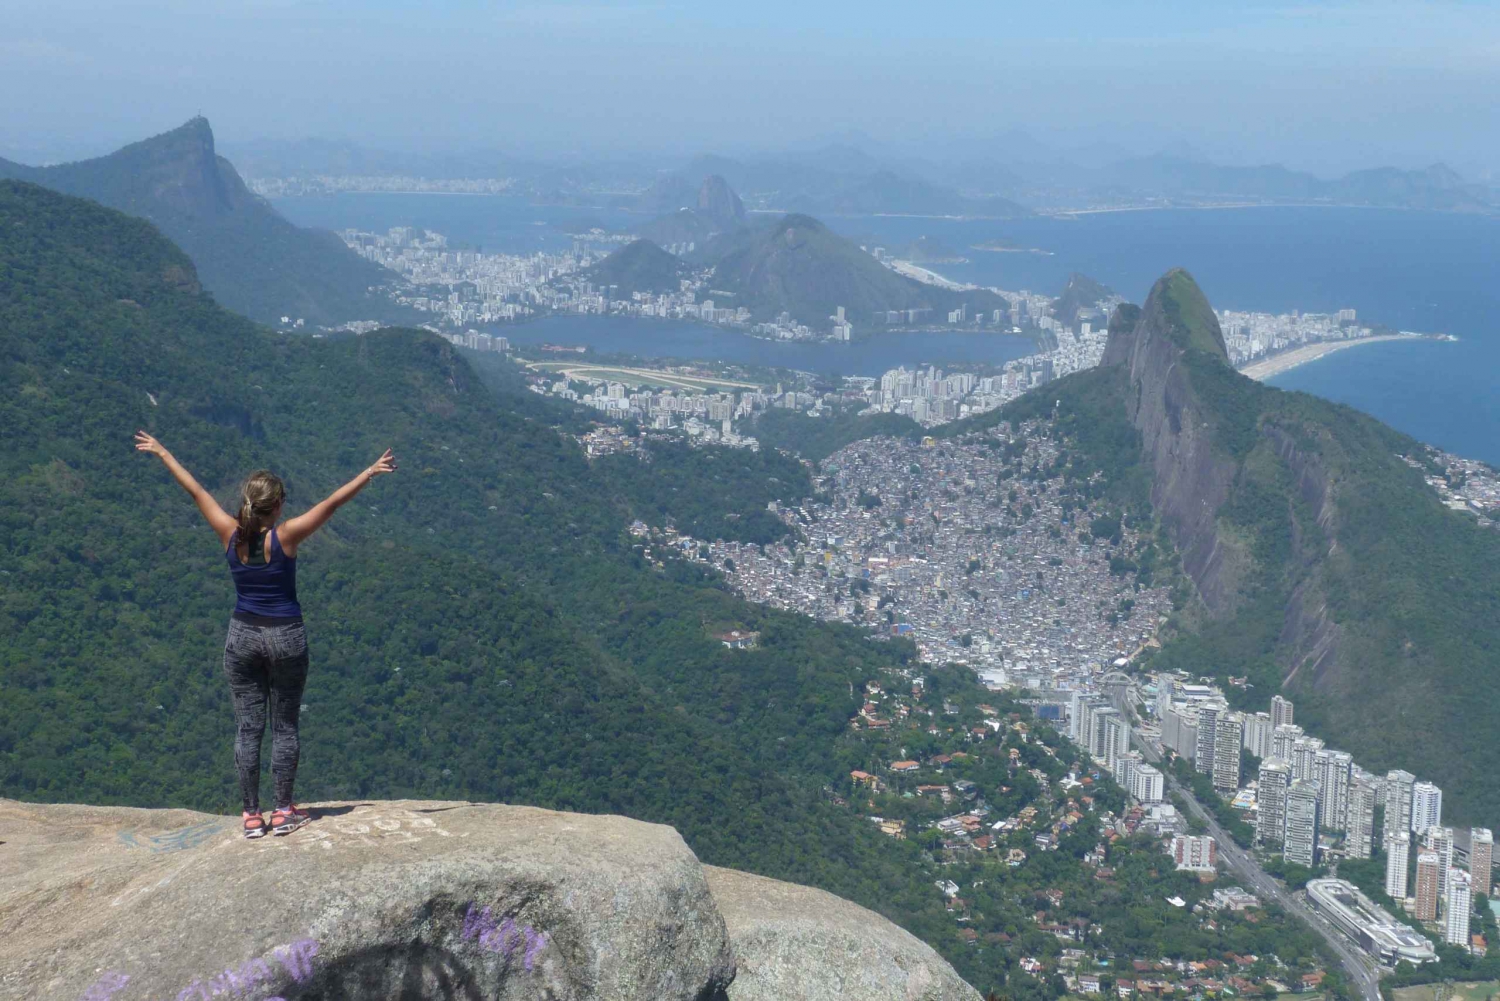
{"x":1426,"y":806}
{"x":1124,"y":768}
{"x":1359,"y":821}
{"x":1270,"y":814}
{"x":1458,"y":904}
{"x":1301,"y":845}
{"x":1333,"y":770}
{"x":1428,"y":881}
{"x":1481,"y":856}
{"x":1116,"y":738}
{"x":1148,"y":784}
{"x":1282,"y":738}
{"x":1440,"y":840}
{"x":1397,"y":861}
{"x":1208,"y":723}
{"x":1166,"y":688}
{"x":1258,"y":731}
{"x":1281,"y":711}
{"x":1398,"y":800}
{"x":1098,"y":712}
{"x":1228,"y":742}
{"x":1305,"y":757}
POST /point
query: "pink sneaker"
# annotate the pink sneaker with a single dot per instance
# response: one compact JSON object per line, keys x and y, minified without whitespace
{"x":286,"y":819}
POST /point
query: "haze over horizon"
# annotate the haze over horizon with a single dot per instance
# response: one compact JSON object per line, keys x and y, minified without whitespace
{"x":1324,"y":87}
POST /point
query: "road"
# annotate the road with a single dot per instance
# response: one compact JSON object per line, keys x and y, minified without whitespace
{"x":1360,"y":967}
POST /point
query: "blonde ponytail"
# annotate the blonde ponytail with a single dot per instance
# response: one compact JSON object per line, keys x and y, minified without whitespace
{"x":261,"y":496}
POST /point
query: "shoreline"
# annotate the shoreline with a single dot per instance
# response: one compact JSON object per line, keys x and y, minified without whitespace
{"x":1268,"y":368}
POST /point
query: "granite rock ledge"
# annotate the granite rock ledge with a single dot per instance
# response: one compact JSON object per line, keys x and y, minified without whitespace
{"x":413,"y":899}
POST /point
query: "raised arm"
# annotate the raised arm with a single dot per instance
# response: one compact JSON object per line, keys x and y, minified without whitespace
{"x":222,"y":524}
{"x":295,"y":530}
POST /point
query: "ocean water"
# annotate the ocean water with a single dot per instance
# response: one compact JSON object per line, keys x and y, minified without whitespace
{"x":1425,"y":271}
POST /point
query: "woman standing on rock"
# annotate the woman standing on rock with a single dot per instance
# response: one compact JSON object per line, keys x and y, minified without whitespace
{"x":265,"y":653}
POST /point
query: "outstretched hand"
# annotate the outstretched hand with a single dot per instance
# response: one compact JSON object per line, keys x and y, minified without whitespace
{"x":145,"y":443}
{"x":385,"y":464}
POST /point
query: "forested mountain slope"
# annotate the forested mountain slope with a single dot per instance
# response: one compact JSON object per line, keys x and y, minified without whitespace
{"x":800,"y":266}
{"x":247,"y":255}
{"x":479,"y":627}
{"x":1323,"y":564}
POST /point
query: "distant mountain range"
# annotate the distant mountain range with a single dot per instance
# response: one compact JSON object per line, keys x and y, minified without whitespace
{"x":1174,"y":178}
{"x":1165,"y":179}
{"x":1011,"y":175}
{"x":251,"y":259}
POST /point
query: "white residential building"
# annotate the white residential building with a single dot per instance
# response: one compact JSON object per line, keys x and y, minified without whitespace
{"x":1397,"y":861}
{"x":1195,"y":852}
{"x":1228,"y":742}
{"x":1270,"y":817}
{"x":1301,"y":847}
{"x":1426,"y":806}
{"x":1359,"y":825}
{"x":1398,"y":785}
{"x":1458,"y":904}
{"x":1281,"y":711}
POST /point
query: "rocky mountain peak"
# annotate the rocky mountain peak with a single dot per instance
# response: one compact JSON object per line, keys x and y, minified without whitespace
{"x":1176,"y":313}
{"x":717,"y":201}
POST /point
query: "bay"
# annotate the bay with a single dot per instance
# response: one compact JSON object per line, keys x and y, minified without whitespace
{"x":1426,"y":271}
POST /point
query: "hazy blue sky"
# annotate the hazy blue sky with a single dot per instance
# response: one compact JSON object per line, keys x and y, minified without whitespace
{"x":1324,"y":86}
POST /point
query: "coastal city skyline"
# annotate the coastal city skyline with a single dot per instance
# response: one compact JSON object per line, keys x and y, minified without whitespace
{"x":750,"y":502}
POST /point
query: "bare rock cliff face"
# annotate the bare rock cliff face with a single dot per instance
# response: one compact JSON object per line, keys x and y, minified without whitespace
{"x":1194,"y":473}
{"x":1190,"y":478}
{"x":395,"y":900}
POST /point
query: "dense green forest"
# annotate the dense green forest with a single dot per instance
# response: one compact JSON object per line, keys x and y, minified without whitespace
{"x":479,"y":626}
{"x":710,"y":494}
{"x":816,"y":438}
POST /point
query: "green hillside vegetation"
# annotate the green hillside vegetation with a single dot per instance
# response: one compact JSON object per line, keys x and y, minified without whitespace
{"x":480,"y":630}
{"x":816,"y":438}
{"x":709,"y":493}
{"x":1088,"y":411}
{"x":246,"y":254}
{"x":1191,"y":323}
{"x":640,"y":266}
{"x":801,"y":267}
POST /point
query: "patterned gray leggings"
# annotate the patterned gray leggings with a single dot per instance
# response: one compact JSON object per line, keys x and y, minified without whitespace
{"x":262,"y":661}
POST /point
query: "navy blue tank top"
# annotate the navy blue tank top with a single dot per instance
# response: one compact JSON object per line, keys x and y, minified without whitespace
{"x":268,"y":590}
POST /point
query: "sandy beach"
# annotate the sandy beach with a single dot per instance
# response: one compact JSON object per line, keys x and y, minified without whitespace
{"x":1265,"y":368}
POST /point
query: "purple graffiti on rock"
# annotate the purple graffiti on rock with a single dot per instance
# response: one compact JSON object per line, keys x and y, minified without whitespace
{"x":106,"y":987}
{"x":504,"y":938}
{"x":239,"y":981}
